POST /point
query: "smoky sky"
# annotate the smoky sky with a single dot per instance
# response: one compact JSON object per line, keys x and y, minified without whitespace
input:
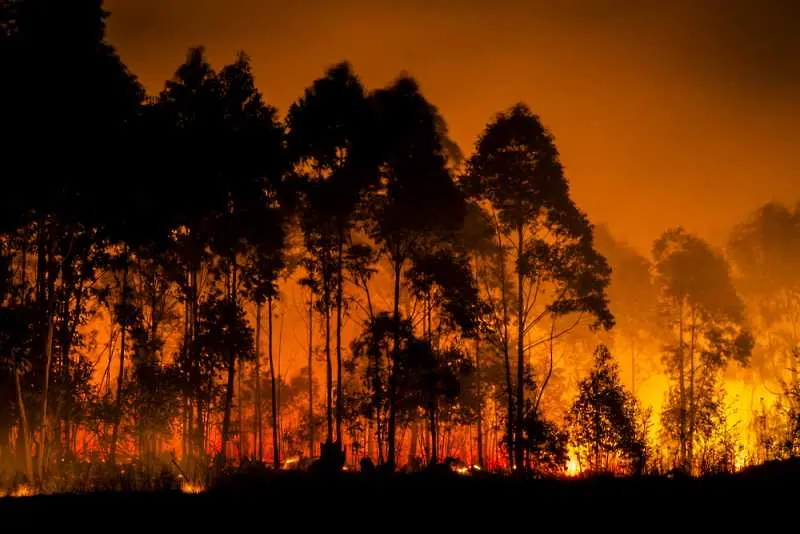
{"x":666,"y":112}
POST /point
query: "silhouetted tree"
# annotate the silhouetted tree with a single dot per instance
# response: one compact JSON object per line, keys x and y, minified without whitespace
{"x":516,"y":172}
{"x":603,"y":417}
{"x":415,"y":180}
{"x":328,"y":137}
{"x":765,"y":251}
{"x":698,"y":294}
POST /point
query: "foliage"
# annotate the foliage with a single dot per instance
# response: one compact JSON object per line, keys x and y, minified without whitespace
{"x":603,"y":417}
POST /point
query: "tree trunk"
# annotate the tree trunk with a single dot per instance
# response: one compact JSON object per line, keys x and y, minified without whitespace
{"x":398,"y":265}
{"x":682,"y":390}
{"x":66,"y":341}
{"x":432,"y":424}
{"x":518,"y":452}
{"x":276,"y":462}
{"x":311,"y":443}
{"x":239,"y":414}
{"x":328,"y":365}
{"x":507,"y":368}
{"x":480,"y":400}
{"x":123,"y":320}
{"x":226,"y":419}
{"x":45,"y":394}
{"x":339,"y":305}
{"x":26,"y":432}
{"x":692,"y":406}
{"x":257,"y":432}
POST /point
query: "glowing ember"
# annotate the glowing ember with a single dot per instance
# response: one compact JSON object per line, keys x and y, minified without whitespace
{"x":188,"y":487}
{"x":23,"y":490}
{"x":461,"y":469}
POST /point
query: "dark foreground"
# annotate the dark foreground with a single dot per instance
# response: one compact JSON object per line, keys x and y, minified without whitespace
{"x":299,"y":502}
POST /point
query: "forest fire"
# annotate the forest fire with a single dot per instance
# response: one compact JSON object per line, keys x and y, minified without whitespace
{"x":573,"y":467}
{"x":348,"y":289}
{"x":188,"y":487}
{"x":23,"y":490}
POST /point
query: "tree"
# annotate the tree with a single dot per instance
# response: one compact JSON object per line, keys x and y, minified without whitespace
{"x":223,"y":329}
{"x":602,"y":418}
{"x":266,"y":263}
{"x":52,"y":193}
{"x":765,"y":252}
{"x":328,"y":129}
{"x":516,"y":173}
{"x":632,"y":295}
{"x":697,"y":293}
{"x":417,"y":204}
{"x":432,"y":379}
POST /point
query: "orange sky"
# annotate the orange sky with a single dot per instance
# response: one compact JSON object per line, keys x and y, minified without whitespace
{"x":665,"y":111}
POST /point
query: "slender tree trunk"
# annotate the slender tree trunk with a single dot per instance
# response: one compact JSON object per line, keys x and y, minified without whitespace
{"x":188,"y":409}
{"x":25,"y":430}
{"x":226,"y":418}
{"x":398,"y":265}
{"x":123,"y":320}
{"x":682,"y":389}
{"x":239,"y":414}
{"x":692,"y":406}
{"x":66,"y":335}
{"x":276,"y":461}
{"x":311,"y":426}
{"x":328,"y":365}
{"x":432,"y":423}
{"x":45,"y":394}
{"x":257,"y":432}
{"x":507,"y":369}
{"x":479,"y":387}
{"x":518,"y":452}
{"x":339,"y":306}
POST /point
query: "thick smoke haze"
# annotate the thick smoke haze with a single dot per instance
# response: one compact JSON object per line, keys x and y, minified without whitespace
{"x":666,"y":112}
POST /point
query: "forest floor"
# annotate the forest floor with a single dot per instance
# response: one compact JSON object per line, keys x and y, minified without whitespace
{"x":300,"y":502}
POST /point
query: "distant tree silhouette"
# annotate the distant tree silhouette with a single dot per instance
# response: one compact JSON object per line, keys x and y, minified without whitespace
{"x":765,"y":252}
{"x":517,"y":174}
{"x":697,"y":290}
{"x":633,"y":297}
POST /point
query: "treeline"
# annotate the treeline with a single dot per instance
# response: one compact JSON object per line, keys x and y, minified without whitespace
{"x":147,"y":243}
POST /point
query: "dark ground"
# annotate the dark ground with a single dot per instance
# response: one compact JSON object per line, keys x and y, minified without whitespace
{"x":299,"y":502}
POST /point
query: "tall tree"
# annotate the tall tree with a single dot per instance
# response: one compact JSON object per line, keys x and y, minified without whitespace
{"x":327,"y":137}
{"x":765,"y":251}
{"x":697,"y":294}
{"x":633,"y":298}
{"x":517,"y":174}
{"x":417,"y":204}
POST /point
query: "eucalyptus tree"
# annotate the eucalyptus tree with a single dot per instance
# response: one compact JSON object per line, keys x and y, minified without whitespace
{"x":765,"y":253}
{"x":516,"y":174}
{"x":416,"y":206}
{"x":328,"y":140}
{"x":699,"y":302}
